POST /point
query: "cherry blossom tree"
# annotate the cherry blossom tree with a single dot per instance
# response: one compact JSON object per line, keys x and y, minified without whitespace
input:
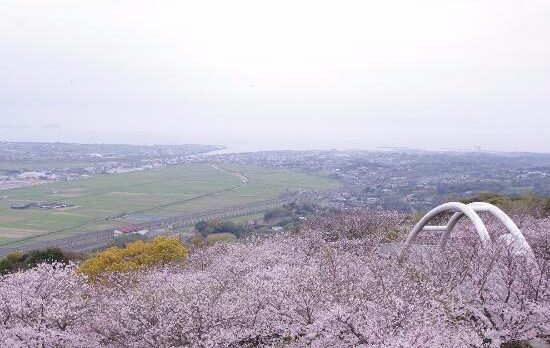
{"x":329,"y":284}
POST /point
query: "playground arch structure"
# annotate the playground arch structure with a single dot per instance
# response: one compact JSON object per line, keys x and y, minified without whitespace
{"x":471,"y":211}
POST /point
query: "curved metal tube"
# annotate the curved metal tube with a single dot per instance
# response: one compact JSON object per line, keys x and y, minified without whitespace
{"x":510,"y":225}
{"x":470,"y":211}
{"x":461,"y":209}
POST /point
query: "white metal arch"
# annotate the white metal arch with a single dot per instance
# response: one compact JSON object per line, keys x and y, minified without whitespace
{"x":470,"y":211}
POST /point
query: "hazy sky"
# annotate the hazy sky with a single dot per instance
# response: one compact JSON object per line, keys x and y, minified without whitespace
{"x":278,"y":74}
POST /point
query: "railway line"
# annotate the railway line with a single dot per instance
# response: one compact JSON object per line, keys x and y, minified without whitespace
{"x":98,"y":239}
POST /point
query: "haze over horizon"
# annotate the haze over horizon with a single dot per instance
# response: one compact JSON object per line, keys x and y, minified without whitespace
{"x":278,"y":75}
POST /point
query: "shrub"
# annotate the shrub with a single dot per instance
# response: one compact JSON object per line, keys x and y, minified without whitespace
{"x":140,"y":254}
{"x":208,"y":227}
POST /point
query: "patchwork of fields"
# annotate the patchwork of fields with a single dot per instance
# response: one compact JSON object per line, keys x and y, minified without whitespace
{"x":106,"y":201}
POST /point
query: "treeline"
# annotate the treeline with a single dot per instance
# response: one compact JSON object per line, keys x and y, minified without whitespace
{"x":132,"y":255}
{"x":20,"y":261}
{"x":526,"y":204}
{"x":291,"y":209}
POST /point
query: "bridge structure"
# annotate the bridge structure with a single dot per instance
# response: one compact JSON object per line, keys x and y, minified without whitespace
{"x":97,"y":239}
{"x":459,"y":210}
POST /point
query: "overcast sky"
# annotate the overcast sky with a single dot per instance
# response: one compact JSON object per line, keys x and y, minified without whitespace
{"x":278,"y":74}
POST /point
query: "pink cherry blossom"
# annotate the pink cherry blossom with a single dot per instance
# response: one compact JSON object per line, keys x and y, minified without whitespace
{"x":327,"y":284}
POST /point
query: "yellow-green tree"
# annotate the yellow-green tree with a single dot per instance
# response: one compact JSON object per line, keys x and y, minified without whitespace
{"x":137,"y":255}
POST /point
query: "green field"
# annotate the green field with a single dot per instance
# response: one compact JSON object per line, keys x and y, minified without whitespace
{"x":146,"y":195}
